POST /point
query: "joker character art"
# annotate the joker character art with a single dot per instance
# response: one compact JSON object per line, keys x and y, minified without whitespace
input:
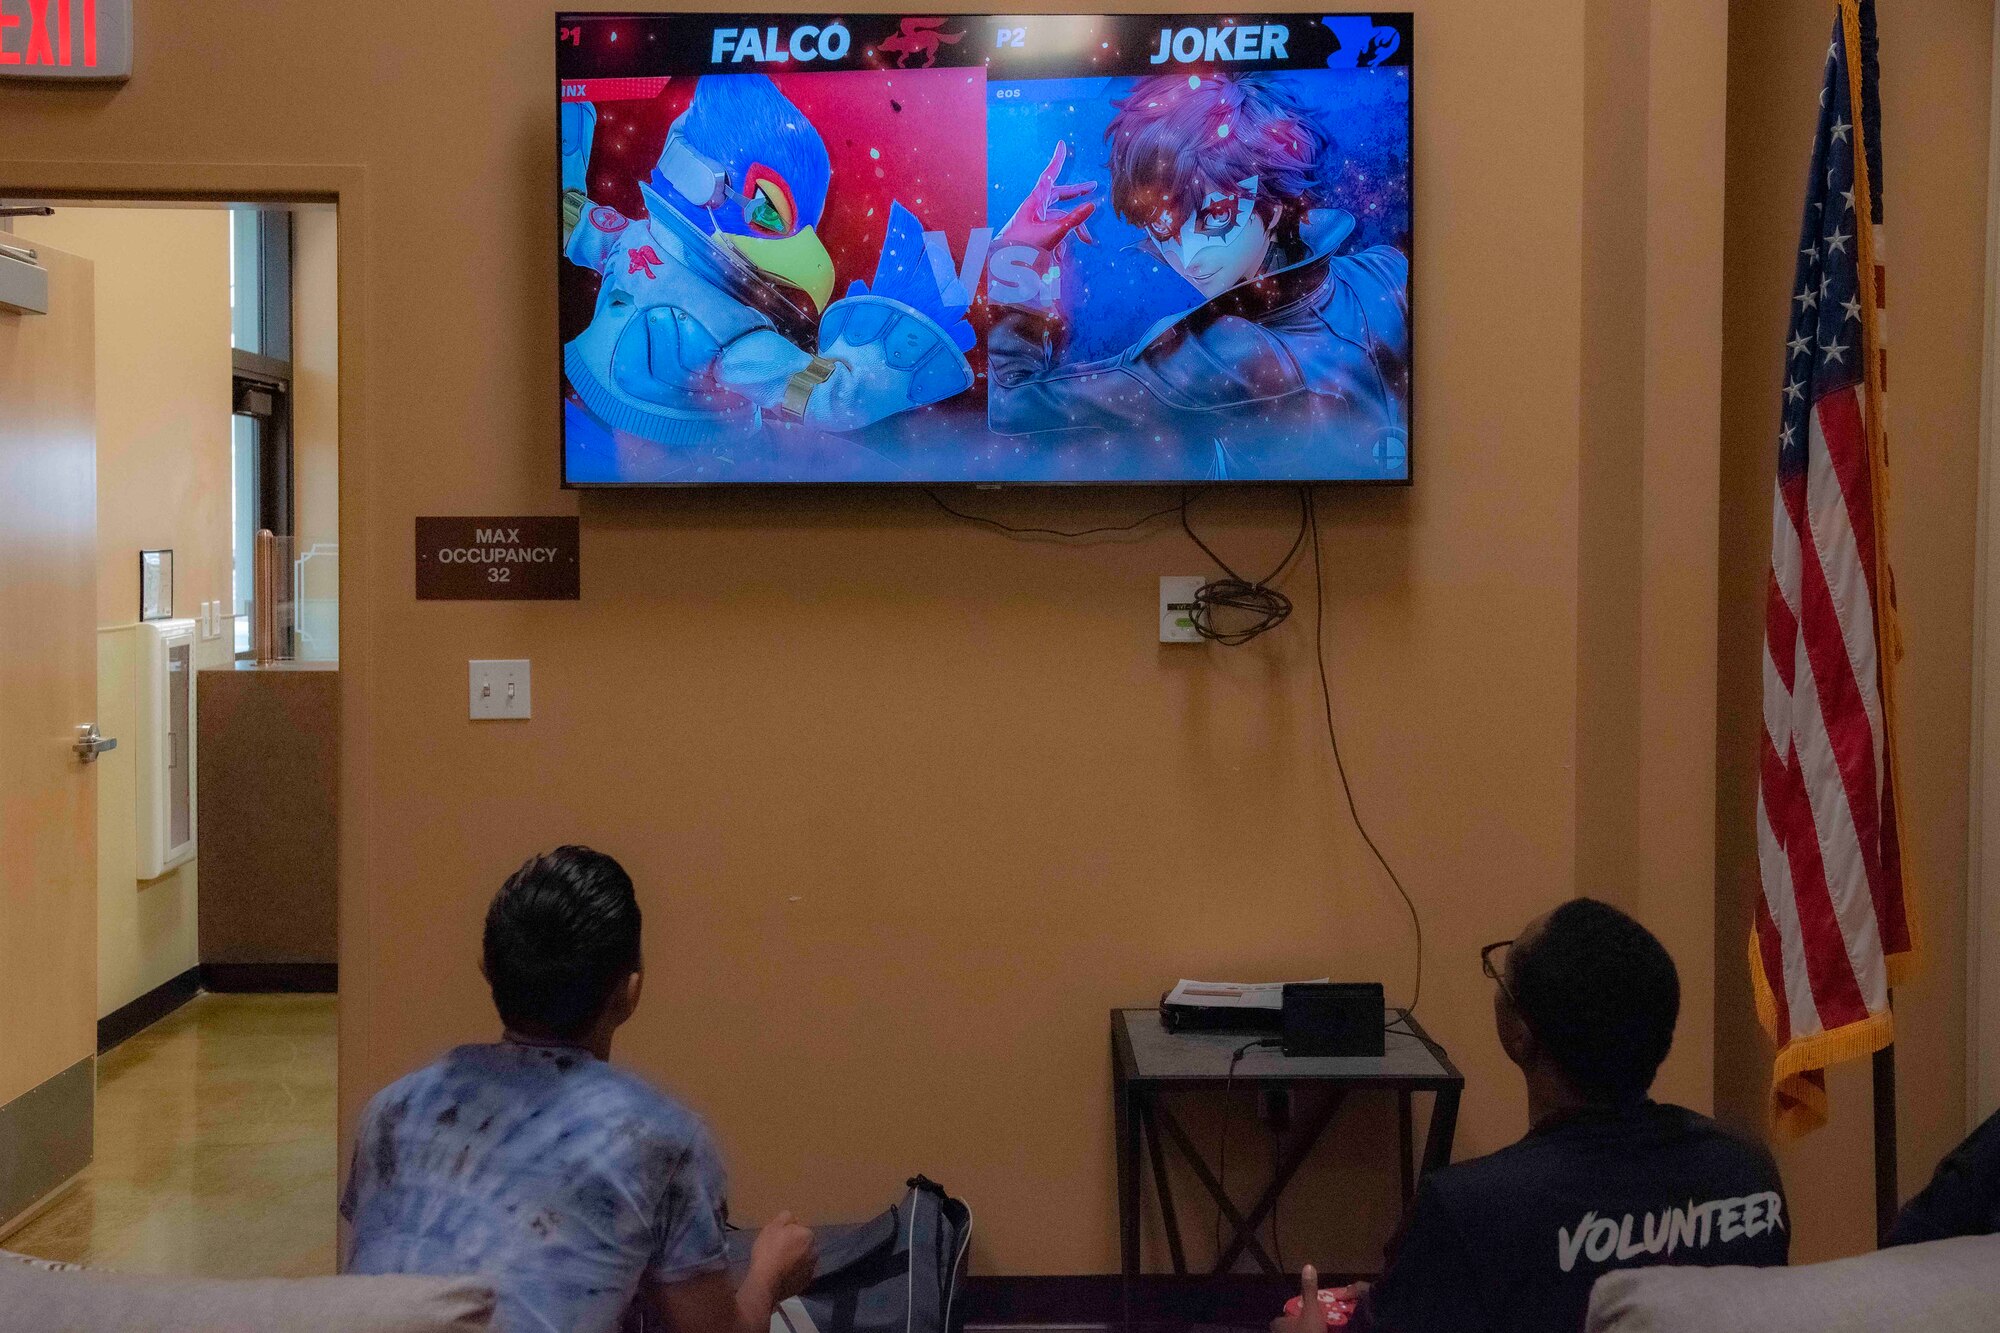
{"x":712,"y":317}
{"x":1296,"y":359}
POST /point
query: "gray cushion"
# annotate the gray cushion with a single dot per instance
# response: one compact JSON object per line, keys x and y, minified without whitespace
{"x":43,"y":1298}
{"x":1948,"y":1286}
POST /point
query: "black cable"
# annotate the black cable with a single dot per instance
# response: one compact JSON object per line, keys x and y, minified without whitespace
{"x":1222,"y":1147}
{"x":1000,"y":526}
{"x":1244,"y":1050}
{"x":1268,"y":607}
{"x":1410,"y":1029}
{"x":1333,"y":739}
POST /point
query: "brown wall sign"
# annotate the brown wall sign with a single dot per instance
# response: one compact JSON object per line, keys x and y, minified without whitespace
{"x":498,"y":559}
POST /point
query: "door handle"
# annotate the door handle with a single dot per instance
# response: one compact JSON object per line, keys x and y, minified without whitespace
{"x":90,"y":744}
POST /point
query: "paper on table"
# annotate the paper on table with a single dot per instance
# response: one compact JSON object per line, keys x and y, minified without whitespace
{"x":1230,"y":994}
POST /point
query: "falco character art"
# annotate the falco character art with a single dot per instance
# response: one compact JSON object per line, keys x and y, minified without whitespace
{"x":715,"y":315}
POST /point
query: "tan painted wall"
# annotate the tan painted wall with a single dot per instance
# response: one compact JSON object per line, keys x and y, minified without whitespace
{"x":1653,"y":118}
{"x":163,"y":376}
{"x":147,"y":932}
{"x":1935,"y":96}
{"x":914,"y":805}
{"x":163,"y":394}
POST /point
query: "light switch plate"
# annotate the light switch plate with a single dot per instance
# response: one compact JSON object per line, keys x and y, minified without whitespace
{"x":1176,"y":600}
{"x":499,"y":688}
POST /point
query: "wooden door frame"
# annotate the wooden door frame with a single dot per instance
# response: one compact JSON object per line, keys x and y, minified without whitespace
{"x":1982,"y":889}
{"x":344,"y":185}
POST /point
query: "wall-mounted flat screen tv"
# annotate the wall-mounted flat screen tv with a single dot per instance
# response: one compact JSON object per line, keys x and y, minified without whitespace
{"x":1028,"y":248}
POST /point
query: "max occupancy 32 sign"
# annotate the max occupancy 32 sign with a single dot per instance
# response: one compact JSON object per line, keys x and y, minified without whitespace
{"x":522,"y":559}
{"x":984,"y":248}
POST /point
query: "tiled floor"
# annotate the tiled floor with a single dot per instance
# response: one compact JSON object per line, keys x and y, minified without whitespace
{"x":216,"y":1147}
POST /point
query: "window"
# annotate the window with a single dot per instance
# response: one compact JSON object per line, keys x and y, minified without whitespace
{"x":260,"y":303}
{"x":260,"y":282}
{"x":245,"y":287}
{"x":242,"y":525}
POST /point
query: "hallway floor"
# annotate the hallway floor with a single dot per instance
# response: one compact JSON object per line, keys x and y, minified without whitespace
{"x":216,"y":1151}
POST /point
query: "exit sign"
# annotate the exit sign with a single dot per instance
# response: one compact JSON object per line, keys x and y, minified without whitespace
{"x":84,"y":40}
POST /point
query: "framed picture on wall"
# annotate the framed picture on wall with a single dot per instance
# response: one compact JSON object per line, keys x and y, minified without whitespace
{"x":156,"y":585}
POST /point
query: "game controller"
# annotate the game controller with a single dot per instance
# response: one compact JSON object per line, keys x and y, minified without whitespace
{"x":1336,"y":1304}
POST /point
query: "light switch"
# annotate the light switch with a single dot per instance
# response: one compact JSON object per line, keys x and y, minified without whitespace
{"x":499,"y":688}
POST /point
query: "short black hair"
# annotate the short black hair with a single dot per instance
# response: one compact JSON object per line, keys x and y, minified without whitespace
{"x":561,"y":935}
{"x":1601,"y":994}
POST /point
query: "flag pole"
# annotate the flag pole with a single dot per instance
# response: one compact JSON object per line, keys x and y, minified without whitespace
{"x":1888,"y":630}
{"x":1887,"y":1198}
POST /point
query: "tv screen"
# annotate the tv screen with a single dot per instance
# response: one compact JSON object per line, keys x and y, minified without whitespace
{"x":1029,"y":248}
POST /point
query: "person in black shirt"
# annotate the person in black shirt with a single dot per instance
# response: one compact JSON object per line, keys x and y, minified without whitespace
{"x":1585,"y":1001}
{"x":1963,"y":1198}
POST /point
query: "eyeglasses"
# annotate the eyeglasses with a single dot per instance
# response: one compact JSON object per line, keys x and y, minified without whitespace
{"x":1487,"y":966}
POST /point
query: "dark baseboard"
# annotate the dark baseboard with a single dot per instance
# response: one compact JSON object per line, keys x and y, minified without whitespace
{"x":282,"y":978}
{"x":129,"y":1019}
{"x":1242,"y":1300}
{"x":45,"y":1138}
{"x":222,"y":978}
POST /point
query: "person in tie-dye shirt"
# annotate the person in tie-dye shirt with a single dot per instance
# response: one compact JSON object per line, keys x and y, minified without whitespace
{"x":586,"y":1196}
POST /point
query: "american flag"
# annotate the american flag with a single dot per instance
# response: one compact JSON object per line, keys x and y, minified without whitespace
{"x":1833,"y":928}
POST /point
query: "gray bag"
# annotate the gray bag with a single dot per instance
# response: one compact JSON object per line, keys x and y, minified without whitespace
{"x":897,"y":1273}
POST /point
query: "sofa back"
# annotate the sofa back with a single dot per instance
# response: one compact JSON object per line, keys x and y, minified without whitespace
{"x":1947,"y":1286}
{"x":37,"y":1297}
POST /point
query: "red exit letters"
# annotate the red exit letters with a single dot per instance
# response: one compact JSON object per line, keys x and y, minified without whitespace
{"x":52,"y":26}
{"x":80,"y":41}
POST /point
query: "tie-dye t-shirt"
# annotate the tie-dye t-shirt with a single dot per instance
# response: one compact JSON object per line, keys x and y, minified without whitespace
{"x":561,"y":1179}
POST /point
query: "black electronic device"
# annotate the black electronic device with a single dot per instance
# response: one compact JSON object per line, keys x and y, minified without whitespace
{"x":1197,"y":1017}
{"x":1333,"y":1018}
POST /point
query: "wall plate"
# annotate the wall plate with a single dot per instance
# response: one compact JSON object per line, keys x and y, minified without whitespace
{"x":1176,"y":601}
{"x":499,"y":688}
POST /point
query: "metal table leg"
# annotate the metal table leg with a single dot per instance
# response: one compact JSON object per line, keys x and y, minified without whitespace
{"x":1407,"y":1135}
{"x":1125,"y":1102}
{"x":1443,"y":1126}
{"x":1163,"y":1190}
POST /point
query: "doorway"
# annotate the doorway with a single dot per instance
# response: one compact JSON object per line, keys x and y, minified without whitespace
{"x":216,"y":418}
